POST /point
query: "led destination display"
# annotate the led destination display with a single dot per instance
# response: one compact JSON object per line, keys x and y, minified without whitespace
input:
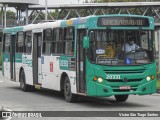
{"x":123,"y":21}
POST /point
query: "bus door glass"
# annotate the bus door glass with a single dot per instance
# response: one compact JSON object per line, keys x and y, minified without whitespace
{"x":37,"y":66}
{"x":12,"y":56}
{"x":81,"y":77}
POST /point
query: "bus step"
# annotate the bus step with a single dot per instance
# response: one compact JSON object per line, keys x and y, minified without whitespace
{"x":83,"y":94}
{"x":37,"y":86}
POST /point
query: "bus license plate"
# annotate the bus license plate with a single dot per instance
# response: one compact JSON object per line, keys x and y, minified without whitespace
{"x":125,"y":87}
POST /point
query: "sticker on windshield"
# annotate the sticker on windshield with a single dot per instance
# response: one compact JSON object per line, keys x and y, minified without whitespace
{"x":100,"y":51}
{"x":128,"y":60}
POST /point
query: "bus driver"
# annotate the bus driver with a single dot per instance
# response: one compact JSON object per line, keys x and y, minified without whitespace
{"x":130,"y":46}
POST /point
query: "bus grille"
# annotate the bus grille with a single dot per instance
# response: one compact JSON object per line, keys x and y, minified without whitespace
{"x":124,"y":71}
{"x":118,"y":90}
{"x":129,"y":80}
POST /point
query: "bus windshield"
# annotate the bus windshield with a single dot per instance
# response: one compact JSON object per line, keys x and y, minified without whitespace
{"x":121,"y":47}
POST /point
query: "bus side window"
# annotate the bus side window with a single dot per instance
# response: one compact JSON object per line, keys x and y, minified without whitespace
{"x":7,"y":43}
{"x":20,"y":42}
{"x":28,"y":43}
{"x":58,"y":40}
{"x":47,"y":42}
{"x":69,"y":40}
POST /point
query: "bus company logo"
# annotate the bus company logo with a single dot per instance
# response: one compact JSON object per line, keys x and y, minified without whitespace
{"x":6,"y":114}
{"x":125,"y":80}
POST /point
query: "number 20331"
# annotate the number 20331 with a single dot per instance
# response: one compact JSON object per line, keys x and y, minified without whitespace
{"x":113,"y":77}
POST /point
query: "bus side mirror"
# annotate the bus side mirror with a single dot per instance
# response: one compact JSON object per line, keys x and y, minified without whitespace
{"x":85,"y":42}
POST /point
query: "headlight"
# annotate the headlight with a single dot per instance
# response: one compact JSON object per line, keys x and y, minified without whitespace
{"x":148,"y":78}
{"x":100,"y":80}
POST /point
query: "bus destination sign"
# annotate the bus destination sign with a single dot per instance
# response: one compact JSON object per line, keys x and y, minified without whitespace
{"x":123,"y":21}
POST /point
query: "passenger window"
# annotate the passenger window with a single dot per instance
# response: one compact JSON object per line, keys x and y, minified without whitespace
{"x":7,"y":43}
{"x":47,"y":42}
{"x":20,"y":42}
{"x":69,"y":41}
{"x":58,"y":44}
{"x":28,"y":42}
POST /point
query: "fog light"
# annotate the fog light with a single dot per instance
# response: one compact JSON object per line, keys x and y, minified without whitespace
{"x":148,"y":78}
{"x":100,"y":80}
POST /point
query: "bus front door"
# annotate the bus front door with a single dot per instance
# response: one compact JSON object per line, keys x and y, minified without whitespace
{"x":81,"y":76}
{"x":12,"y":57}
{"x":37,"y":66}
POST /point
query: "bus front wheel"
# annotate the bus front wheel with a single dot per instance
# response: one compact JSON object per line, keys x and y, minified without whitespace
{"x":24,"y":87}
{"x":69,"y":96}
{"x":121,"y":98}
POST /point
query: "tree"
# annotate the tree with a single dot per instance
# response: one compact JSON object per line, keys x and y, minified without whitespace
{"x":10,"y":14}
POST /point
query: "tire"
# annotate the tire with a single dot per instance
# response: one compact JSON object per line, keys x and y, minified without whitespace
{"x":121,"y":98}
{"x":24,"y":87}
{"x":69,"y":96}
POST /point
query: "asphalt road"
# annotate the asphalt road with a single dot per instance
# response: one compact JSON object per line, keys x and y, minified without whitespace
{"x":12,"y":98}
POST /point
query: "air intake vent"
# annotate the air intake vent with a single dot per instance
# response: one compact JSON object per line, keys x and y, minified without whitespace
{"x":124,"y":71}
{"x":129,"y":80}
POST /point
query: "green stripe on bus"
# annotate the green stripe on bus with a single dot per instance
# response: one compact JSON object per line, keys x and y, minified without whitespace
{"x":18,"y":58}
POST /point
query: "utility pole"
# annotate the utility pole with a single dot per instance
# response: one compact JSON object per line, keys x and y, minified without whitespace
{"x":5,"y":17}
{"x":2,"y":21}
{"x":46,"y":14}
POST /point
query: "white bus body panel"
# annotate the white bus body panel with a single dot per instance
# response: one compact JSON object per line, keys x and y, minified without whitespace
{"x":7,"y":72}
{"x":51,"y":78}
{"x":27,"y":66}
{"x":18,"y":66}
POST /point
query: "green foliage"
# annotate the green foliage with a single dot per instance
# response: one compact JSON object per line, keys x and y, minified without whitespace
{"x":158,"y":84}
{"x":10,"y":14}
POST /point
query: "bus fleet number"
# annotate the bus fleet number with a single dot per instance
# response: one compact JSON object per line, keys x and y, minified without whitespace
{"x":63,"y":63}
{"x":113,"y":77}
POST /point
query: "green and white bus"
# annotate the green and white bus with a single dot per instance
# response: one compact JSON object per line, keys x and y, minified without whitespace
{"x":83,"y":56}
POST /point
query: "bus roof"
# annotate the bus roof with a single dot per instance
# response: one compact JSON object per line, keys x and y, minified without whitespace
{"x":42,"y":25}
{"x":13,"y":30}
{"x":70,"y":22}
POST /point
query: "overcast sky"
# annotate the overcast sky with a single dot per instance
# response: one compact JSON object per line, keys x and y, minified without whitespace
{"x":55,"y":2}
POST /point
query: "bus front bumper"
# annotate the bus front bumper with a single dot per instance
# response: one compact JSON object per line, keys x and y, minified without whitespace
{"x":143,"y":89}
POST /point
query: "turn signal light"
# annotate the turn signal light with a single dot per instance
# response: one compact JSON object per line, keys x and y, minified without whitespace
{"x":152,"y":77}
{"x":95,"y":78}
